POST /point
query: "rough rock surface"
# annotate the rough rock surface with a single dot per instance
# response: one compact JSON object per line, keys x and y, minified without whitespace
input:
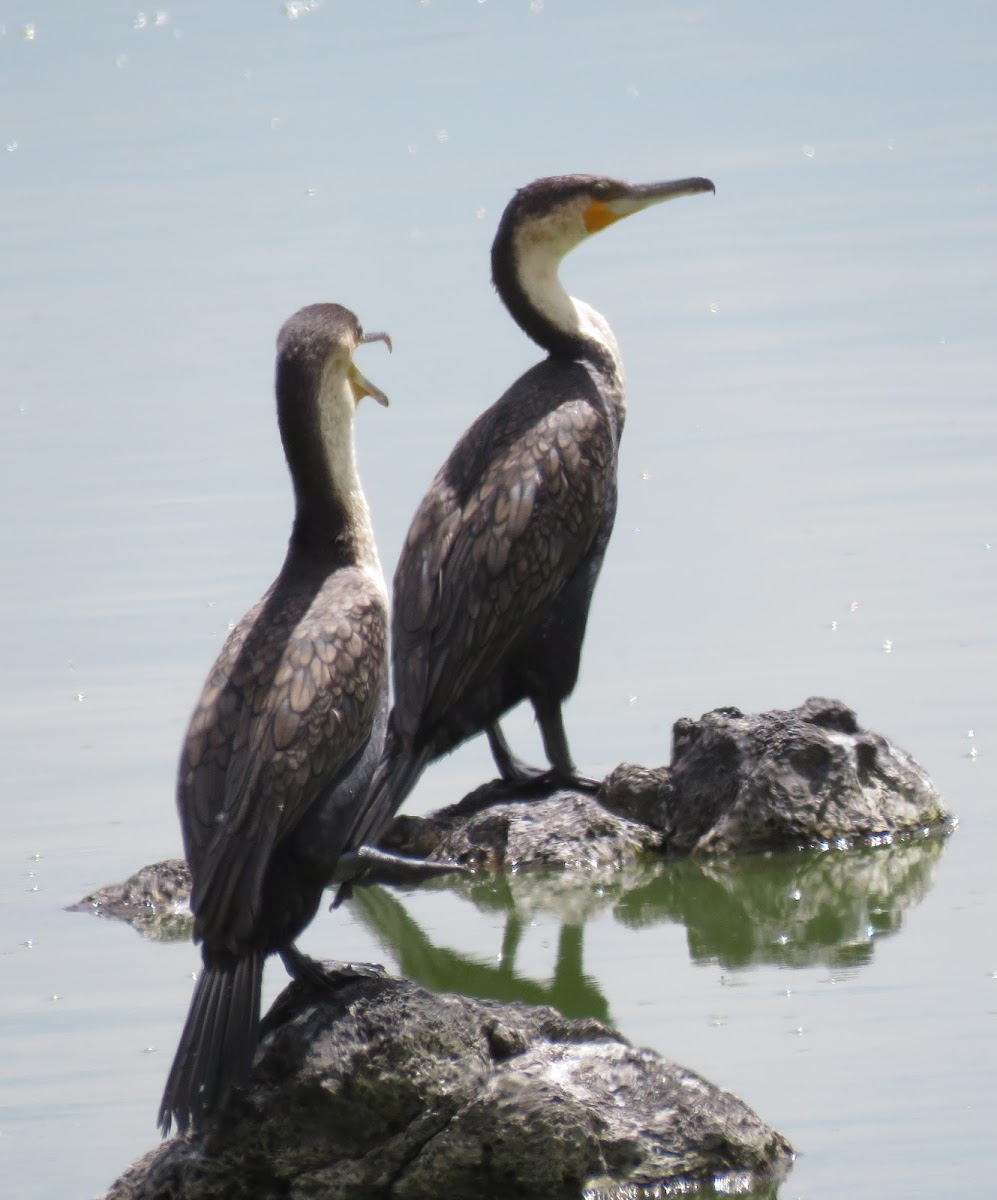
{"x":566,"y":829}
{"x":787,"y":779}
{"x":156,"y":900}
{"x":806,"y":776}
{"x":378,"y":1088}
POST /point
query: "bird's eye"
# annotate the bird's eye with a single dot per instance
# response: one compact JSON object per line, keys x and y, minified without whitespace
{"x":600,"y":188}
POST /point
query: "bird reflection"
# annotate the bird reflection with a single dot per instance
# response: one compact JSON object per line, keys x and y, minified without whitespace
{"x":569,"y":990}
{"x":791,"y":910}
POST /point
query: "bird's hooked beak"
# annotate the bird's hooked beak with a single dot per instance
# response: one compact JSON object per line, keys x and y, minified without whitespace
{"x":635,"y":197}
{"x":361,"y":385}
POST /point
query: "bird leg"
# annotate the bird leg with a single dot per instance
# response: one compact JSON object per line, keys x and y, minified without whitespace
{"x":513,"y":770}
{"x":555,"y":741}
{"x":525,"y":782}
{"x":306,"y":969}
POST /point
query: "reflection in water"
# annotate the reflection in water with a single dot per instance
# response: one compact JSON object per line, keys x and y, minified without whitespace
{"x":795,"y":910}
{"x":570,"y":990}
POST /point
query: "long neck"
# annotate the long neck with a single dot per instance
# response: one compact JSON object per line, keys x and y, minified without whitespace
{"x":331,"y":519}
{"x":525,"y":271}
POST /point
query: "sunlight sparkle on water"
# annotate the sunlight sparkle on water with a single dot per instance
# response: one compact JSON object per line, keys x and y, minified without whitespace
{"x":294,"y":9}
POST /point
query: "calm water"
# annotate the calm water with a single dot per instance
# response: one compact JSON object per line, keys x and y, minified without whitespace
{"x":811,"y":440}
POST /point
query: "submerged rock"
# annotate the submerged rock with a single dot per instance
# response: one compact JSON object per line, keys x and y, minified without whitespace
{"x":155,"y":900}
{"x":379,"y":1088}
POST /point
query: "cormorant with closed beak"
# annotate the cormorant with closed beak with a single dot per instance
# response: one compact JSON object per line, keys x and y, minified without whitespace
{"x":493,"y":586}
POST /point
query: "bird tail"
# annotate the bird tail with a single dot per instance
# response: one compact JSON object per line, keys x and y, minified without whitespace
{"x":218,"y":1041}
{"x":395,"y":776}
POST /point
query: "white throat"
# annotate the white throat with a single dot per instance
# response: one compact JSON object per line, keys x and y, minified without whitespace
{"x":337,"y":406}
{"x":538,"y":260}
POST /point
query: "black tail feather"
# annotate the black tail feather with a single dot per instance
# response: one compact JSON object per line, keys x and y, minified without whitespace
{"x":217,"y":1044}
{"x":396,"y":775}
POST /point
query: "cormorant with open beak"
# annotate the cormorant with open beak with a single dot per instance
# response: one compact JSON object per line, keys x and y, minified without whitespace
{"x":275,"y":768}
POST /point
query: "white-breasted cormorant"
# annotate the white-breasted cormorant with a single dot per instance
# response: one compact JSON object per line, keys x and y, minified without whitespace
{"x":492,"y":589}
{"x":280,"y":749}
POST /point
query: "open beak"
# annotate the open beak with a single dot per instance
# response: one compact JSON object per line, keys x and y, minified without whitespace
{"x":363,"y":386}
{"x":601,"y":213}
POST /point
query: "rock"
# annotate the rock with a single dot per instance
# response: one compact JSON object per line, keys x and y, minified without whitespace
{"x":156,"y":900}
{"x":807,"y":777}
{"x":379,"y":1088}
{"x":786,"y":779}
{"x":566,"y":829}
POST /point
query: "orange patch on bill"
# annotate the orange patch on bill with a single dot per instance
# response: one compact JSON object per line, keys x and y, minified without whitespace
{"x":598,"y":215}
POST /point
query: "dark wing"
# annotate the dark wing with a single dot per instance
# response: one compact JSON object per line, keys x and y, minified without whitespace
{"x":475,"y":572}
{"x":290,"y":700}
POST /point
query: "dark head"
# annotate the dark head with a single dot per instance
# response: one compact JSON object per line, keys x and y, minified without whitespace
{"x":543,"y":222}
{"x":318,"y":340}
{"x":318,"y":389}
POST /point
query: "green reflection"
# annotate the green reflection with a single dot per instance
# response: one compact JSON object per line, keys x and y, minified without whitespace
{"x":569,"y":990}
{"x":794,"y":910}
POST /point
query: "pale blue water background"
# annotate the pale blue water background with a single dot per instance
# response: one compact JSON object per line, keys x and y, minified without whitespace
{"x":813,"y":424}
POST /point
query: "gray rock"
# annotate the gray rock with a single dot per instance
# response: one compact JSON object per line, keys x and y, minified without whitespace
{"x":378,"y":1088}
{"x":155,"y":900}
{"x":566,"y":829}
{"x":803,"y":777}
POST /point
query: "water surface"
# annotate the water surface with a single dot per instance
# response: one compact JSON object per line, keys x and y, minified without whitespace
{"x":807,"y":500}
